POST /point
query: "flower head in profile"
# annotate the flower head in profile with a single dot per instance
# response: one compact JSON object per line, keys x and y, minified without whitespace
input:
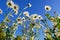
{"x":10,"y":4}
{"x":16,"y":12}
{"x":26,"y":13}
{"x":29,"y":5}
{"x":15,"y":8}
{"x":47,"y":8}
{"x":1,"y":11}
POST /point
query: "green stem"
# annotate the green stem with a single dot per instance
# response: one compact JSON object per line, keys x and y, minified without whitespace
{"x":7,"y":15}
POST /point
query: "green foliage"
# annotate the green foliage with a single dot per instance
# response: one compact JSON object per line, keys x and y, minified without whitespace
{"x":58,"y":38}
{"x":48,"y":16}
{"x":58,"y":26}
{"x":2,"y":34}
{"x":18,"y":38}
{"x":35,"y":22}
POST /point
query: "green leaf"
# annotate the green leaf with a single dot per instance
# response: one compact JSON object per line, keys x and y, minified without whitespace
{"x":58,"y":20}
{"x":58,"y":26}
{"x":48,"y":16}
{"x":58,"y":38}
{"x":43,"y":21}
{"x":18,"y":38}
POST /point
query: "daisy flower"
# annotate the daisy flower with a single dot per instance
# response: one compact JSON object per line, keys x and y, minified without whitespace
{"x":26,"y":13}
{"x":29,"y":5}
{"x":40,"y":17}
{"x":1,"y":11}
{"x":47,"y":8}
{"x":19,"y":21}
{"x":10,"y":4}
{"x":34,"y":16}
{"x":15,"y":7}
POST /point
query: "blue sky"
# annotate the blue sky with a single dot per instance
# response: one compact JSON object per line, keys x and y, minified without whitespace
{"x":37,"y":7}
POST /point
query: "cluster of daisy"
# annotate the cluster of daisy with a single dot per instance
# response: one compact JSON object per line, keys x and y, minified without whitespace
{"x":34,"y":21}
{"x":11,"y":29}
{"x":12,"y":5}
{"x":31,"y":22}
{"x":31,"y":18}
